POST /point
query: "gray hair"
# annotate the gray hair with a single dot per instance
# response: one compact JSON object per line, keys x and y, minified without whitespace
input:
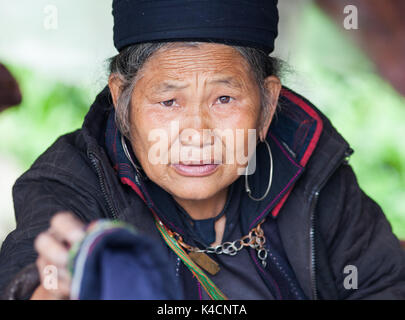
{"x":128,"y":64}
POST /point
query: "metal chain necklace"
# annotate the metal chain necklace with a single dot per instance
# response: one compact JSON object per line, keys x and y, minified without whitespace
{"x":254,"y":239}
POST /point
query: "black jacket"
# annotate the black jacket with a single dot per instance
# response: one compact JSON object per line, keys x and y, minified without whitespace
{"x":326,"y":221}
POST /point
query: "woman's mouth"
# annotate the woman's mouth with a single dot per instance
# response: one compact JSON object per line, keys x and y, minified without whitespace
{"x":195,"y":169}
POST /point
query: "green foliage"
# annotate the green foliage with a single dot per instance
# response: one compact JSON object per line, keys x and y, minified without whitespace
{"x":363,"y":107}
{"x":49,"y":109}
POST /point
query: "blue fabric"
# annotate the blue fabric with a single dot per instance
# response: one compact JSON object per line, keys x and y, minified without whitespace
{"x":120,"y":264}
{"x":205,"y":228}
{"x":251,"y":23}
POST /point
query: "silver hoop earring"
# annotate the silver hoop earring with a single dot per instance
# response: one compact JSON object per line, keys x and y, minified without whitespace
{"x":124,"y":146}
{"x":248,"y":190}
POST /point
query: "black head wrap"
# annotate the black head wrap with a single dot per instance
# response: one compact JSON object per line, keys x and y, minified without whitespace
{"x":251,"y":23}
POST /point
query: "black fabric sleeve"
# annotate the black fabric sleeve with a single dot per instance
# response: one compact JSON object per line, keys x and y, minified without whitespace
{"x":38,"y":195}
{"x":357,"y":233}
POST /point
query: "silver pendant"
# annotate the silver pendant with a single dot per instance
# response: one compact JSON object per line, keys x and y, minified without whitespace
{"x":262,"y":255}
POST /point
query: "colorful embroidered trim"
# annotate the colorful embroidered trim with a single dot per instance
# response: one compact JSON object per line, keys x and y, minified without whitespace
{"x":212,"y":290}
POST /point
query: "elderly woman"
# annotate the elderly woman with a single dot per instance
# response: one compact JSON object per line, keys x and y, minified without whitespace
{"x":243,"y":183}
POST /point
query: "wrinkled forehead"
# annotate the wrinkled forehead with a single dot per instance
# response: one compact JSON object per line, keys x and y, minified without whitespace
{"x":218,"y":64}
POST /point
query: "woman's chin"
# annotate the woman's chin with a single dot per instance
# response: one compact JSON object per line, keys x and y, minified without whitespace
{"x":199,"y":185}
{"x":195,"y":190}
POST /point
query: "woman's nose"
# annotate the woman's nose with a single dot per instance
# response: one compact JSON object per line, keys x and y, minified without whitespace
{"x":196,"y":116}
{"x":195,"y":127}
{"x":199,"y":138}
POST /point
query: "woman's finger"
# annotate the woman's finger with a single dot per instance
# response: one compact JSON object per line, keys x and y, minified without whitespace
{"x":51,"y":249}
{"x":46,"y":268}
{"x":66,"y":227}
{"x":54,"y":281}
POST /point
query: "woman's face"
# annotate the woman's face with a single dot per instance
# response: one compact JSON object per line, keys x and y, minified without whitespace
{"x":191,"y":112}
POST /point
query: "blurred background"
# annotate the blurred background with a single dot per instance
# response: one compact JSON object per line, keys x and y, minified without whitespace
{"x":352,"y":70}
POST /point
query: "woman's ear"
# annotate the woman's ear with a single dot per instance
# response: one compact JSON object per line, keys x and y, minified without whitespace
{"x":114,"y":83}
{"x":272,"y":85}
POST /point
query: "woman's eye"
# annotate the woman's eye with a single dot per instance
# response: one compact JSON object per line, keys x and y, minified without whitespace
{"x":168,"y":103}
{"x":224,"y":99}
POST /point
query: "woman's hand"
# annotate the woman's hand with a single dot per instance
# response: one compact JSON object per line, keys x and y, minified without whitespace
{"x":52,"y":247}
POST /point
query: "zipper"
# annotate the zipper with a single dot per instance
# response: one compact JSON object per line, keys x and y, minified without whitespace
{"x":94,"y":160}
{"x":314,"y":200}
